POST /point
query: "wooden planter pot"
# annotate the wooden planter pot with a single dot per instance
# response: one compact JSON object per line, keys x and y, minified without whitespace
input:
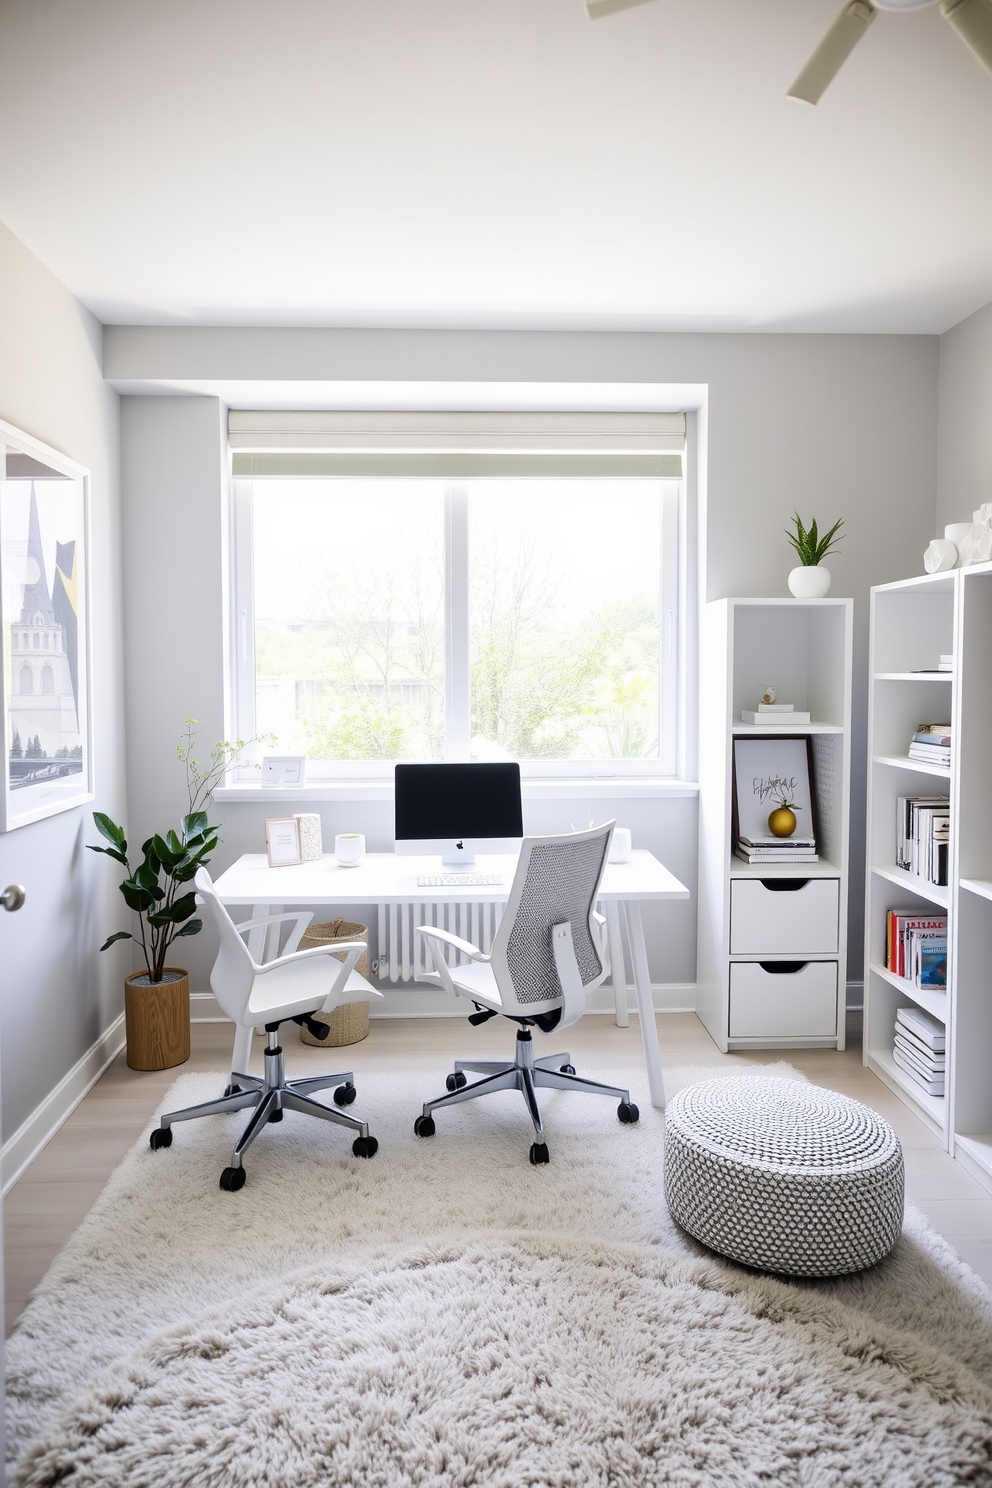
{"x":156,"y":1019}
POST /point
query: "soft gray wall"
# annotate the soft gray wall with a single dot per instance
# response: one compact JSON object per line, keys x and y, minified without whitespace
{"x":56,"y":995}
{"x":965,"y":447}
{"x":831,"y":425}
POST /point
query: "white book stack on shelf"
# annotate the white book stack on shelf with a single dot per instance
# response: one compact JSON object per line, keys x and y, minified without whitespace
{"x":920,"y":1048}
{"x":774,"y":715}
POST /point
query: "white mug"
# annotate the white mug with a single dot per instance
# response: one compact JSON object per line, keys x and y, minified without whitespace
{"x":620,"y":845}
{"x":349,"y":848}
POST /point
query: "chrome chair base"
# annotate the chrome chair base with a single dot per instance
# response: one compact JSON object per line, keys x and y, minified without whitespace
{"x":270,"y":1096}
{"x":527,"y":1075}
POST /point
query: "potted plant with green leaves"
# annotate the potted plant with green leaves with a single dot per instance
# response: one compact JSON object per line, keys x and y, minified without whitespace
{"x":158,"y":890}
{"x":810,"y":580}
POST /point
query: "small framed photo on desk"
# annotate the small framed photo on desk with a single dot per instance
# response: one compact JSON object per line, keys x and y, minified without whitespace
{"x":282,"y":841}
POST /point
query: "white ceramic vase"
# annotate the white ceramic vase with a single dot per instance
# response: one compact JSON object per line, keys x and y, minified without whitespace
{"x":809,"y":581}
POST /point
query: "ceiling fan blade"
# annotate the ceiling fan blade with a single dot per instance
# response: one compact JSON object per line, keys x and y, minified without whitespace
{"x":972,"y":20}
{"x":833,"y":51}
{"x":597,"y":8}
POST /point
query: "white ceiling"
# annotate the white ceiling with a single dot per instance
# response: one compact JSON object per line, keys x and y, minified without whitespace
{"x":495,"y":163}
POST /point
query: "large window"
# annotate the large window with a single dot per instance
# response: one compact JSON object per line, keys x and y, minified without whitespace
{"x":383,"y":617}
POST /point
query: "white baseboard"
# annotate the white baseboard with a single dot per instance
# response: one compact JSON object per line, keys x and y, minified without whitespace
{"x":413,"y":1001}
{"x":23,"y":1146}
{"x":855,"y":995}
{"x":203,"y":1008}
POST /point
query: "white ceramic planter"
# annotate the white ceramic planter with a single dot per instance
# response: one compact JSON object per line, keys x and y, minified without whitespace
{"x":810,"y":581}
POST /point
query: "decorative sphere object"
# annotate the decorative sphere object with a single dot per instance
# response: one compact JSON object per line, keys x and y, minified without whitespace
{"x":809,"y":581}
{"x":782,"y":822}
{"x":940,"y":556}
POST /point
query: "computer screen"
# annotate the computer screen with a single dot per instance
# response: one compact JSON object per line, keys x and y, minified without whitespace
{"x":458,"y":810}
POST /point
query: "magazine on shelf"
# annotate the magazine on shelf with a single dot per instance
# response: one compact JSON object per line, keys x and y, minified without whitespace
{"x":930,"y":960}
{"x":932,"y":1085}
{"x":902,"y":925}
{"x":923,"y":1026}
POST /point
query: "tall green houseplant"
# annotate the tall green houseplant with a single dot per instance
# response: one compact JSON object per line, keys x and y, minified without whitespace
{"x":156,"y":890}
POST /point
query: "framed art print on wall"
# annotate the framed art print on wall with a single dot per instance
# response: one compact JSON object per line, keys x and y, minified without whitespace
{"x":44,"y":574}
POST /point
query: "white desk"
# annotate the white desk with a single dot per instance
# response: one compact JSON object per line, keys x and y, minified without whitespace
{"x":384,"y":878}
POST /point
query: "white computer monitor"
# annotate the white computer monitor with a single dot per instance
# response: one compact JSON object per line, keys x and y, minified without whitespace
{"x":456,"y":811}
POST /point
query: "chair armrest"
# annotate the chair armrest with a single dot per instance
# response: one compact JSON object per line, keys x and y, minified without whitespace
{"x":431,"y":932}
{"x":302,"y":919}
{"x":603,"y":946}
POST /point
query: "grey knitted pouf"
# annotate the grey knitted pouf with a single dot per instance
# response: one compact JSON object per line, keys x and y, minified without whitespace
{"x":783,"y":1176}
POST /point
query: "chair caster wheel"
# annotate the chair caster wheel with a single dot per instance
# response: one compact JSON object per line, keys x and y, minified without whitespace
{"x":539,"y":1153}
{"x":160,"y":1137}
{"x":567,"y":1069}
{"x":365,"y":1146}
{"x":628,"y":1112}
{"x":232,"y":1179}
{"x":276,"y":1114}
{"x":424,"y":1126}
{"x":345,"y":1094}
{"x":456,"y":1081}
{"x":232,"y":1089}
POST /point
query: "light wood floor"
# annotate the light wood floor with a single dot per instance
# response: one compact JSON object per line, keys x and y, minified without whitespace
{"x":53,"y":1195}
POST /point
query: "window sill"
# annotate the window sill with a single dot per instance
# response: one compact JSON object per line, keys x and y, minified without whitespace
{"x":599,"y":788}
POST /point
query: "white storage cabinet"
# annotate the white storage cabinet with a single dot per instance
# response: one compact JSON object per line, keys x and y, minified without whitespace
{"x":771,"y":953}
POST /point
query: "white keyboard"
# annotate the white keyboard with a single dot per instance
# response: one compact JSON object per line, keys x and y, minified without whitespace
{"x":458,"y":880}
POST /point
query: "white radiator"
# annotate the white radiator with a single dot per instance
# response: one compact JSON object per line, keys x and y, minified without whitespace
{"x":404,"y":956}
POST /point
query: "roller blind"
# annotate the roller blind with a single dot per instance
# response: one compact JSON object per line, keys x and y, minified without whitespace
{"x":456,"y":445}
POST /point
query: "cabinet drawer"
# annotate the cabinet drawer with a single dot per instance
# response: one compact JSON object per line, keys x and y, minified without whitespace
{"x":801,"y":919}
{"x":797,"y":1000}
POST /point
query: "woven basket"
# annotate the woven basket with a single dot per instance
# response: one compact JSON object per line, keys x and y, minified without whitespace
{"x":349,"y":1024}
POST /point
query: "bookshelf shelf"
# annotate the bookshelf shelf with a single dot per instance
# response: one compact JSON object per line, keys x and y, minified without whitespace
{"x":980,"y":886}
{"x":932,"y":1107}
{"x":913,"y":883}
{"x":750,"y":729}
{"x":931,"y":1002}
{"x":804,"y":650}
{"x":918,"y":767}
{"x":912,"y":624}
{"x":822,"y":869}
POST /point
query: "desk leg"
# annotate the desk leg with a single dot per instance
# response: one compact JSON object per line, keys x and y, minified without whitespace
{"x":619,"y":970}
{"x":645,"y":1004}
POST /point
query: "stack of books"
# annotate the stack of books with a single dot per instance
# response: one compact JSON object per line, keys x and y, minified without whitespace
{"x":919,"y":1048}
{"x":946,"y":663}
{"x":773,"y":715}
{"x":916,"y":947}
{"x":777,"y":849}
{"x":923,"y":825}
{"x":932,"y":744}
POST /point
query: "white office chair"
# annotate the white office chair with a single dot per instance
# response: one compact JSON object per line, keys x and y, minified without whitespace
{"x":548,"y":951}
{"x":292,"y":987}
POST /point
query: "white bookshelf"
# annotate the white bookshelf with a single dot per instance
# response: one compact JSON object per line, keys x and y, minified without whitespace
{"x":912,"y":623}
{"x":776,"y":993}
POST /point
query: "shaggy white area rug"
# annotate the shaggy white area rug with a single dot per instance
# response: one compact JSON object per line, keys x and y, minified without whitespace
{"x":357,"y":1309}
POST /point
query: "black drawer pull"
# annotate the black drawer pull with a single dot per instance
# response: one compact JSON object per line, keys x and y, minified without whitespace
{"x":783,"y":885}
{"x":782,"y":968}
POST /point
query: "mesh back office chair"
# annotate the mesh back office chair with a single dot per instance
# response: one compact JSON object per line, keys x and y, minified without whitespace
{"x":292,"y":987}
{"x":547,"y":953}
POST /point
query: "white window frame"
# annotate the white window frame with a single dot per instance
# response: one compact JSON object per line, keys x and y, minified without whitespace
{"x":277,"y":433}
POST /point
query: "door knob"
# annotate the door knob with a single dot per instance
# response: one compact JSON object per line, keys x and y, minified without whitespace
{"x":13,"y":896}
